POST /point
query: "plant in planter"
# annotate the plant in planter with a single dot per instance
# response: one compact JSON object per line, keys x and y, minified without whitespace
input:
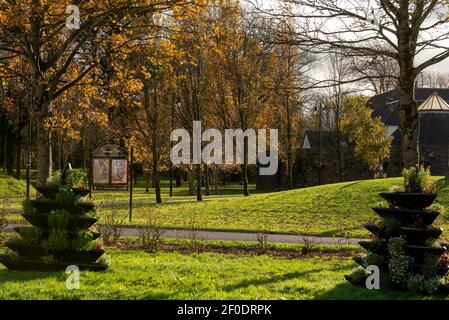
{"x":405,"y":242}
{"x":76,"y":178}
{"x":416,"y":179}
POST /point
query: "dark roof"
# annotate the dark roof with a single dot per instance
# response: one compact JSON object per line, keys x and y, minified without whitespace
{"x":329,"y":140}
{"x":386,"y":104}
{"x":434,"y":130}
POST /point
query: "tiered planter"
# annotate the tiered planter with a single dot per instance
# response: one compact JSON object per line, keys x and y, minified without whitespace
{"x":415,"y":226}
{"x":32,"y":256}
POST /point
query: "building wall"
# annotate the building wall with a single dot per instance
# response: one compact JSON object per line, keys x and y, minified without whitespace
{"x":306,"y":169}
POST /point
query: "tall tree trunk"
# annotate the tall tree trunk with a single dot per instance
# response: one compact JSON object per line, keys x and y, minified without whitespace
{"x":409,"y":119}
{"x":19,"y":153}
{"x":44,"y":153}
{"x":5,"y":148}
{"x":147,"y":188}
{"x":216,"y":180}
{"x":199,"y":179}
{"x":245,"y":169}
{"x":207,"y":179}
{"x":190,"y":179}
{"x":289,"y":150}
{"x":178,"y":177}
{"x":157,"y":185}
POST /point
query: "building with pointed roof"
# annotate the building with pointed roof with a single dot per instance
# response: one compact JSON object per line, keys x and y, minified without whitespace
{"x":433,"y":140}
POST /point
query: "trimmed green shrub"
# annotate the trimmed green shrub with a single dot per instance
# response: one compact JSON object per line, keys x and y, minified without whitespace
{"x":54,"y":180}
{"x":76,"y":178}
{"x":28,"y":207}
{"x":419,"y":283}
{"x":66,"y":197}
{"x":105,"y":260}
{"x":58,"y":219}
{"x":416,"y":179}
{"x":83,"y":241}
{"x":31,"y":235}
{"x":57,"y":240}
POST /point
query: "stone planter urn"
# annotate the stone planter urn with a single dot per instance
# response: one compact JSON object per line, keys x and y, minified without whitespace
{"x":60,"y":234}
{"x":422,"y":259}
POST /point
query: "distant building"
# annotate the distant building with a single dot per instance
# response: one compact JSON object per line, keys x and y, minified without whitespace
{"x":317,"y":160}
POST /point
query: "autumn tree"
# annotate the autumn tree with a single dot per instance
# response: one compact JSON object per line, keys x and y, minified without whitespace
{"x":288,"y":66}
{"x":36,"y":30}
{"x":372,"y":144}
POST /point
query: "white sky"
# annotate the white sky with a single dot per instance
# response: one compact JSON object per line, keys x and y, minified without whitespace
{"x":442,"y":67}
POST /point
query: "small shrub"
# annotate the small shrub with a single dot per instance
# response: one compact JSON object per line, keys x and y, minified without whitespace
{"x":76,"y":178}
{"x":399,"y":267}
{"x":399,"y":264}
{"x":372,"y":259}
{"x":396,"y":246}
{"x":58,"y":219}
{"x":57,"y":240}
{"x":105,"y":260}
{"x":83,"y":241}
{"x":151,"y":233}
{"x":191,"y":232}
{"x":31,"y":235}
{"x":419,"y":283}
{"x":50,"y":259}
{"x":11,"y":254}
{"x":28,"y":207}
{"x":110,"y":227}
{"x":417,"y":179}
{"x":66,"y":197}
{"x":54,"y":180}
{"x":358,"y":277}
{"x":388,"y":224}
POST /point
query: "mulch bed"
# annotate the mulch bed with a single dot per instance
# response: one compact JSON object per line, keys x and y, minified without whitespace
{"x":194,"y":248}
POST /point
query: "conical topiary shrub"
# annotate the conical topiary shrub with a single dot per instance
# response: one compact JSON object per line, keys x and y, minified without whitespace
{"x":405,"y":243}
{"x":61,"y":233}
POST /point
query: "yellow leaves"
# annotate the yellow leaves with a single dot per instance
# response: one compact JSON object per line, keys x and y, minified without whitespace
{"x":372,"y":145}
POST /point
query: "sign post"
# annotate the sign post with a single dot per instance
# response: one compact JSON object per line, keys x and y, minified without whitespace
{"x":131,"y":178}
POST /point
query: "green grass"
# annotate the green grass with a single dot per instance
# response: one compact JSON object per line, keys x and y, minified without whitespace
{"x":139,"y":275}
{"x":10,"y":186}
{"x":329,"y":210}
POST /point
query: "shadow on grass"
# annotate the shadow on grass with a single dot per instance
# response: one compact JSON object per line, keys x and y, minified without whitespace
{"x":15,"y":276}
{"x":273,"y":279}
{"x":351,"y":184}
{"x":347,"y":291}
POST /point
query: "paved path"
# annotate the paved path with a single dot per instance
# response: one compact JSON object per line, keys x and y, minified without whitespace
{"x":225,"y":235}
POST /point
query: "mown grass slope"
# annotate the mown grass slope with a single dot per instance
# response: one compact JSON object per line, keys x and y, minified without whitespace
{"x":330,"y":210}
{"x":10,"y":186}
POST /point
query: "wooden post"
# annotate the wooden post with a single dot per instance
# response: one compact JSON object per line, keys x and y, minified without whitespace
{"x":131,"y":176}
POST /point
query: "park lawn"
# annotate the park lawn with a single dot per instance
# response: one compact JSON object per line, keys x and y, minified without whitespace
{"x":10,"y":186}
{"x":139,"y":275}
{"x":330,"y":210}
{"x":139,"y":192}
